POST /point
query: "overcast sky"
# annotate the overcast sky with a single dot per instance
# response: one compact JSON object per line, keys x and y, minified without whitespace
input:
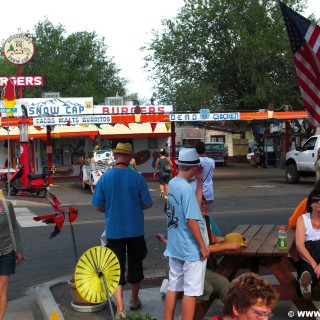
{"x":125,"y":24}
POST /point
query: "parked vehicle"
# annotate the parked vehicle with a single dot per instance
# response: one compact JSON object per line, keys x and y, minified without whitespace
{"x":218,"y":152}
{"x":101,"y":162}
{"x":37,"y":184}
{"x":178,"y":148}
{"x":300,"y":162}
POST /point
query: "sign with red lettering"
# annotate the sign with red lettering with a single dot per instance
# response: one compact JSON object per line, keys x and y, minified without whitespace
{"x":23,"y":81}
{"x":100,"y":109}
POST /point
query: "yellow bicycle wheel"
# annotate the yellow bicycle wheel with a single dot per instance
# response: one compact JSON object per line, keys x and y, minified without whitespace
{"x":97,"y":271}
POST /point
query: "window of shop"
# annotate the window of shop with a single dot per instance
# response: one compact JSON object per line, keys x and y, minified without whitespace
{"x":218,"y":139}
{"x":65,"y":152}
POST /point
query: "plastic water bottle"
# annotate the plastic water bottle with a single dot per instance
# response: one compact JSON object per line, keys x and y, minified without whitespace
{"x":283,"y":239}
{"x":163,"y":289}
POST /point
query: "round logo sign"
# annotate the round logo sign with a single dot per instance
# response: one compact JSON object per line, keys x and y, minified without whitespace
{"x":18,"y":49}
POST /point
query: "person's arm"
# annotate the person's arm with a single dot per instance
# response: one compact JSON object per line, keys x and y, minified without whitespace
{"x":195,"y":230}
{"x":199,"y":188}
{"x":303,"y":252}
{"x":215,"y":239}
{"x":101,"y":209}
{"x":169,"y":160}
{"x":156,"y":167}
{"x":218,"y":247}
{"x":16,"y":233}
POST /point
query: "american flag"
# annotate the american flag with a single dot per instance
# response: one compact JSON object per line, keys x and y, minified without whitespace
{"x":304,"y":38}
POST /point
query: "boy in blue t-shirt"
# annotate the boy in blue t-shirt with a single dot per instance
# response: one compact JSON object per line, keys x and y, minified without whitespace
{"x":186,"y":247}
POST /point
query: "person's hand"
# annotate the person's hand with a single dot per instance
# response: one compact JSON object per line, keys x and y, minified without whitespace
{"x":19,"y":257}
{"x":317,"y":270}
{"x":204,"y":253}
{"x":161,"y":237}
{"x":199,"y":173}
{"x":234,"y":246}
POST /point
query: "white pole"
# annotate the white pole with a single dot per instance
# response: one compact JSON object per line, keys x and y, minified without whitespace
{"x":9,"y":164}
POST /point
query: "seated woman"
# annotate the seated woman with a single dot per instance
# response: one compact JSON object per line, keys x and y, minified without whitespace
{"x":308,"y":245}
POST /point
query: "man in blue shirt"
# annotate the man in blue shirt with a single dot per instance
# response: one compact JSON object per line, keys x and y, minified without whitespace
{"x":122,"y":194}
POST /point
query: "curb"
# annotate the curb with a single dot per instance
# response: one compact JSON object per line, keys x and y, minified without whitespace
{"x":46,"y":301}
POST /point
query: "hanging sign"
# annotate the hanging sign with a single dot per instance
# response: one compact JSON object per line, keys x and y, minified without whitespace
{"x":90,"y":119}
{"x":205,"y":116}
{"x":100,"y":109}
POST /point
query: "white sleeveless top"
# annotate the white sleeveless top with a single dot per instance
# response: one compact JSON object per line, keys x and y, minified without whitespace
{"x":311,"y":233}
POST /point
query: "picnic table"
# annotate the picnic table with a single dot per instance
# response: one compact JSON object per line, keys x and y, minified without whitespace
{"x":262,"y":254}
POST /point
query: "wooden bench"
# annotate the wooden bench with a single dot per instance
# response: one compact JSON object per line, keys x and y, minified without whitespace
{"x":202,"y":307}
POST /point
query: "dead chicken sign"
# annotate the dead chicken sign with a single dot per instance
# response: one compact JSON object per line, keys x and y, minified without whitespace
{"x":18,"y":49}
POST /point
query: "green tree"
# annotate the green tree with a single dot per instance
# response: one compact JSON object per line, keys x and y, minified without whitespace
{"x":76,"y":65}
{"x":224,"y":55}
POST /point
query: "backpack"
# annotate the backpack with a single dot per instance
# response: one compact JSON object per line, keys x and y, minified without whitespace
{"x":168,"y":167}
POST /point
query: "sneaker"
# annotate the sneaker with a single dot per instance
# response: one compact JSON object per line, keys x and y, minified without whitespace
{"x":305,"y":285}
{"x":161,"y":194}
{"x":120,"y":315}
{"x":134,"y":305}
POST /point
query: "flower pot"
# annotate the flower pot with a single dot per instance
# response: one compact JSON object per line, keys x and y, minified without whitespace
{"x":81,"y":305}
{"x":75,"y":294}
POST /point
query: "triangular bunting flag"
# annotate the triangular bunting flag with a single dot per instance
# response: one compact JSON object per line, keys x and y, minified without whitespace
{"x":168,"y":125}
{"x":126,"y":124}
{"x":98,"y":125}
{"x":112,"y":124}
{"x":153,"y":126}
{"x":38,"y":128}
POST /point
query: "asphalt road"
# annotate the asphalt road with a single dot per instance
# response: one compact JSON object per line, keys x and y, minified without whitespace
{"x":243,"y":195}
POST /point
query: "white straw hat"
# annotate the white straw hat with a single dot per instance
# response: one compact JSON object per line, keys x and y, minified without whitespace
{"x":188,"y":157}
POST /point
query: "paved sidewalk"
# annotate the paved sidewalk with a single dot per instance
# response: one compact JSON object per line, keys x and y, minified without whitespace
{"x":52,"y":301}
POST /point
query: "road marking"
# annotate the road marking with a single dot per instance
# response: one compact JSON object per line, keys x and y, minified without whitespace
{"x":263,"y":186}
{"x":25,"y":218}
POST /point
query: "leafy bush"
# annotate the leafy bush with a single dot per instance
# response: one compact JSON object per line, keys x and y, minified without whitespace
{"x":140,"y":316}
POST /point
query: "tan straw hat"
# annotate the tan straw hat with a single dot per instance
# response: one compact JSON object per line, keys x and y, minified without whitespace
{"x":235,"y":237}
{"x":125,"y":148}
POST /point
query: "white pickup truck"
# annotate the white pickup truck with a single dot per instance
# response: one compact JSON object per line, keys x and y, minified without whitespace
{"x":301,"y":162}
{"x":102,"y":161}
